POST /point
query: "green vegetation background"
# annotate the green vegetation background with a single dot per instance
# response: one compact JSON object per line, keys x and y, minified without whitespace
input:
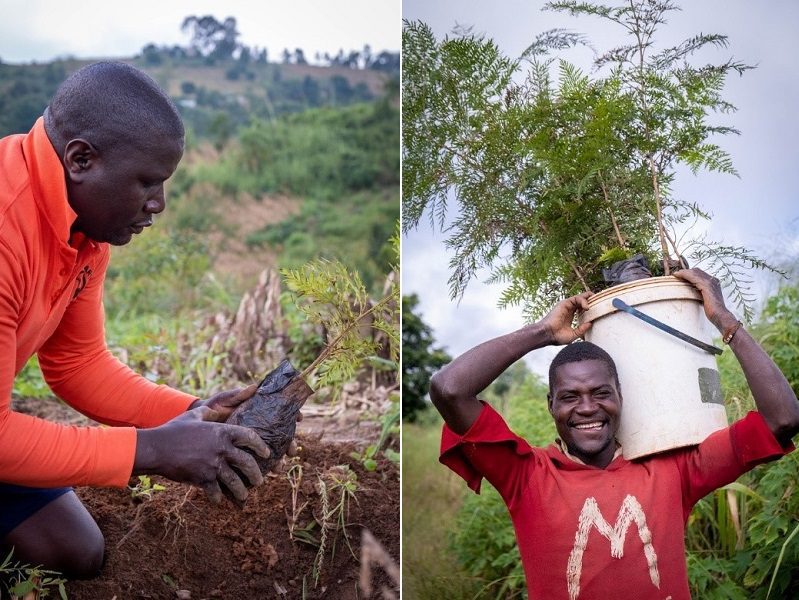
{"x":323,"y":141}
{"x":459,"y":545}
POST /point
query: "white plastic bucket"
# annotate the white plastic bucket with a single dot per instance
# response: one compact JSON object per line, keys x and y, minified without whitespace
{"x":671,"y":389}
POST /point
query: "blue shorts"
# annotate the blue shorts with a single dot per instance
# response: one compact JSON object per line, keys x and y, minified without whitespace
{"x":18,"y":502}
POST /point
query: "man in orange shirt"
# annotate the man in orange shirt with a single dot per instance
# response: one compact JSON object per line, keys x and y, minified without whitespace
{"x":91,"y":174}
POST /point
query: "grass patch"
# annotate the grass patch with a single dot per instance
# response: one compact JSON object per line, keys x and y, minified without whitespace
{"x":431,"y":498}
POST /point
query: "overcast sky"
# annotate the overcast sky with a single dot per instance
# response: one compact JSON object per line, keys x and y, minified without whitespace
{"x":43,"y":29}
{"x":759,"y":210}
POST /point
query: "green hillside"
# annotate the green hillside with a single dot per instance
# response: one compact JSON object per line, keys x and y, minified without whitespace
{"x":283,"y":163}
{"x":214,"y":99}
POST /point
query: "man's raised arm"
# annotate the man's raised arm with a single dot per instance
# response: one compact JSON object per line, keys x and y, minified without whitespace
{"x":454,"y":388}
{"x":772,"y":393}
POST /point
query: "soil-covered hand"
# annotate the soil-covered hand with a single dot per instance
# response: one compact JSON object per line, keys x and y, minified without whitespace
{"x":196,"y":448}
{"x":224,"y":403}
{"x":712,"y":297}
{"x":558,"y":323}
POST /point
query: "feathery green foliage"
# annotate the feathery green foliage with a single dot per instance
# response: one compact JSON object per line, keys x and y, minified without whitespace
{"x":328,"y":294}
{"x":26,"y":581}
{"x":555,"y":171}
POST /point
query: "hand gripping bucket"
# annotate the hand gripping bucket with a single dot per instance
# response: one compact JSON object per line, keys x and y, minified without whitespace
{"x":670,"y":388}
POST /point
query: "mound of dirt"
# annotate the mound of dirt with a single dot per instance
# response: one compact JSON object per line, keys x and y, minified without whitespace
{"x":176,"y":544}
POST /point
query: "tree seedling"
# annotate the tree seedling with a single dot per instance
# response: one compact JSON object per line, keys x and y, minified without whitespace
{"x":390,"y":426}
{"x":21,"y":580}
{"x":556,"y":173}
{"x":330,"y":296}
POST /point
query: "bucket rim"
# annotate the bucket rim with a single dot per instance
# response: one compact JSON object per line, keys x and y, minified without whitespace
{"x":638,"y":292}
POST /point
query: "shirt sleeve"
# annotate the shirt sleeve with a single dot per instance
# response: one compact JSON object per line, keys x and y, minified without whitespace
{"x":78,"y":366}
{"x":38,"y":453}
{"x":726,"y":455}
{"x":488,"y":449}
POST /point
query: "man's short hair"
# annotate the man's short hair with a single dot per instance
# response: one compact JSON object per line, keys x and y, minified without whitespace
{"x":578,"y":351}
{"x":110,"y":103}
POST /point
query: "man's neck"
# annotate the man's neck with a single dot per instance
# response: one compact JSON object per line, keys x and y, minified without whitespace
{"x":562,"y":447}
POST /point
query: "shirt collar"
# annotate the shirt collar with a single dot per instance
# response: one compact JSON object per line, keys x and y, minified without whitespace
{"x":562,"y":447}
{"x":47,"y":179}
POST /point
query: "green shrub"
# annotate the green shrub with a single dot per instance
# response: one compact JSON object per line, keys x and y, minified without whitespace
{"x":485,"y":544}
{"x":767,"y":499}
{"x":161,"y":273}
{"x":321,"y":152}
{"x":354,"y":229}
{"x":30,"y":383}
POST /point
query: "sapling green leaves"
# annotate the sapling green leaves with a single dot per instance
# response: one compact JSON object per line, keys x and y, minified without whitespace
{"x":553,"y":175}
{"x":330,"y":295}
{"x":25,"y":581}
{"x":145,"y":488}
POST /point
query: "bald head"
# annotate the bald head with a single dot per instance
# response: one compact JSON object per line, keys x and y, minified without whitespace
{"x":119,"y":138}
{"x":111,"y":105}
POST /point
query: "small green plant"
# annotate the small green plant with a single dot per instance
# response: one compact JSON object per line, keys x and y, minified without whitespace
{"x":337,"y":487}
{"x":145,"y":488}
{"x":390,"y":427}
{"x":22,"y":579}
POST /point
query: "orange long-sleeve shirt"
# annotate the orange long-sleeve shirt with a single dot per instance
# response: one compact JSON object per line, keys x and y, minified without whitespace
{"x":51,"y":303}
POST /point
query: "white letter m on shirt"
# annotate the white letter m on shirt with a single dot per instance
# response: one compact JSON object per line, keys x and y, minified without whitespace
{"x":591,"y":516}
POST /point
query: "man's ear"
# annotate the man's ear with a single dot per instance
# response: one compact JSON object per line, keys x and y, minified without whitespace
{"x":79,"y":157}
{"x":549,"y":402}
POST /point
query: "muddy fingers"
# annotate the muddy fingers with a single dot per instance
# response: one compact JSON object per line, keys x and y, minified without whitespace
{"x":232,"y":482}
{"x":213,"y":491}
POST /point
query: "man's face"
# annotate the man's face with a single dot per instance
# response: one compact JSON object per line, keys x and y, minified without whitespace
{"x":586,"y":403}
{"x":117,"y":194}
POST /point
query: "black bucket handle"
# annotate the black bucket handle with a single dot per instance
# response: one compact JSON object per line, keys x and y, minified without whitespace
{"x":623,"y":306}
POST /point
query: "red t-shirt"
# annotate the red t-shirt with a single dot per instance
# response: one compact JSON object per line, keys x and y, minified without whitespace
{"x":585,"y":532}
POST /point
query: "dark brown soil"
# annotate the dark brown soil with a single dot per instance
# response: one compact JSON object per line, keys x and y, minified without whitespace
{"x":178,"y":545}
{"x":177,"y":540}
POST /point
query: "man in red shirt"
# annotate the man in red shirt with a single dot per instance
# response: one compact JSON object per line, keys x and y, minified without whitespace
{"x":91,"y":174}
{"x":577,"y":507}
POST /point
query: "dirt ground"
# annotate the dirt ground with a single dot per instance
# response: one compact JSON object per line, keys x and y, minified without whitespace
{"x":176,"y":544}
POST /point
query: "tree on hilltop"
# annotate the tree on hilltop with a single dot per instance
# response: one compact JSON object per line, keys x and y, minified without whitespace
{"x":211,"y":38}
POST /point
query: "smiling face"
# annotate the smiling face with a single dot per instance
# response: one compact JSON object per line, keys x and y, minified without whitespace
{"x":116,"y":194}
{"x":586,"y":404}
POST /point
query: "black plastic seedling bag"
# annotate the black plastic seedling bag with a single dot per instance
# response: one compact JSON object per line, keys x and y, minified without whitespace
{"x":272,"y":411}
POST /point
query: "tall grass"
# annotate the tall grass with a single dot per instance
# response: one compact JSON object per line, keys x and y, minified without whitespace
{"x":740,"y":540}
{"x":431,"y":498}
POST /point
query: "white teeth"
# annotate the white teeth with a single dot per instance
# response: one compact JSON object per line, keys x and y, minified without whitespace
{"x":595,"y":425}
